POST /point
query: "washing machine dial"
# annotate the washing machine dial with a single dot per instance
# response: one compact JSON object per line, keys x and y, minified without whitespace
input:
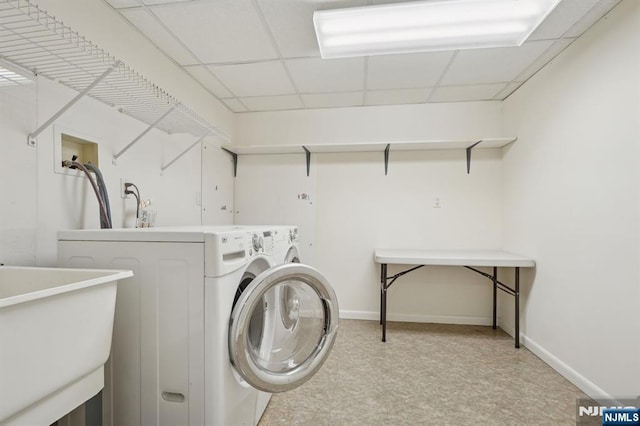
{"x":257,"y":242}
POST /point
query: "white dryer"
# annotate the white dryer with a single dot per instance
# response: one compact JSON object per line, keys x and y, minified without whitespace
{"x":280,"y":244}
{"x":290,"y":249}
{"x":198,"y":331}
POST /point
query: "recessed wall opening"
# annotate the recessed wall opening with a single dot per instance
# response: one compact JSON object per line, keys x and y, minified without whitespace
{"x":86,"y":151}
{"x":70,"y":144}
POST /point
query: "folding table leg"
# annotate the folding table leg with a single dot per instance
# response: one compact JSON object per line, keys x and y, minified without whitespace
{"x":495,"y":295}
{"x":517,"y":307}
{"x":383,"y":310}
{"x":381,"y":287}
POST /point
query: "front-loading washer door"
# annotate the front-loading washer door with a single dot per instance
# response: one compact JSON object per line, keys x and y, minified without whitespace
{"x":285,"y":355}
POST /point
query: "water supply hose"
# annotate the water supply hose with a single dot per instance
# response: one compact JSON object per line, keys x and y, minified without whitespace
{"x":105,"y":221}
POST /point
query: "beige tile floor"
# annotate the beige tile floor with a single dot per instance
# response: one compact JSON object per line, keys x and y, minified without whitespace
{"x":427,"y":374}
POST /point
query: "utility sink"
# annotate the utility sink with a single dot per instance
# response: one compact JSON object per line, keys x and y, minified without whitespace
{"x":55,"y":336}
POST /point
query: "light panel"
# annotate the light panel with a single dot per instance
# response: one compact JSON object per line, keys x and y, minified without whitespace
{"x":423,"y":26}
{"x":10,"y":78}
{"x":12,"y":75}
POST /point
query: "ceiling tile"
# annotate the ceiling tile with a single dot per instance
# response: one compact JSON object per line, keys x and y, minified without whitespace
{"x":480,"y":92}
{"x":291,"y":23}
{"x":272,"y":103}
{"x":235,"y":105}
{"x":405,"y":71}
{"x":321,"y":75}
{"x":542,"y":60}
{"x":332,"y":100}
{"x":264,"y":52}
{"x":398,"y":96}
{"x":595,"y":14}
{"x":156,"y":2}
{"x":507,"y":90}
{"x":118,"y":4}
{"x":206,"y":77}
{"x":567,"y":13}
{"x":151,"y":28}
{"x":502,"y":64}
{"x":387,"y":1}
{"x":219,"y":31}
{"x":256,"y":79}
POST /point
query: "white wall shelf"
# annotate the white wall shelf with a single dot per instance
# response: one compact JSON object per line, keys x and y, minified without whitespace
{"x":384,"y":147}
{"x":35,"y":41}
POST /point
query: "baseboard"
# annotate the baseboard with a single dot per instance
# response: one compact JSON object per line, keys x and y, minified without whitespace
{"x":441,"y":319}
{"x":584,"y":384}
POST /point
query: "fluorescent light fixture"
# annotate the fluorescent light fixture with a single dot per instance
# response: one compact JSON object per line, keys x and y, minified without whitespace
{"x":423,"y":26}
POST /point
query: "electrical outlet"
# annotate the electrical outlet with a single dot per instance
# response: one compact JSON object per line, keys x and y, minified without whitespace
{"x":436,"y":203}
{"x":122,"y":188}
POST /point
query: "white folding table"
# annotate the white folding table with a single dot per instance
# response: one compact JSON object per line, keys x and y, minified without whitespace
{"x":470,"y":259}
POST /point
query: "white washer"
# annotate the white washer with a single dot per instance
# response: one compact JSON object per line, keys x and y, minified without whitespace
{"x":198,"y":333}
{"x":281,"y":247}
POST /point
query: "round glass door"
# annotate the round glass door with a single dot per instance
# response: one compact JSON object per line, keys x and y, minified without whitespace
{"x":287,"y":353}
{"x":288,"y":295}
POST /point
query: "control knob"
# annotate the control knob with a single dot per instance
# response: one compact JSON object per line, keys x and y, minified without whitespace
{"x":257,"y":242}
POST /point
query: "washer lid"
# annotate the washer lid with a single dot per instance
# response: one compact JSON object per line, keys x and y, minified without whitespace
{"x":275,"y":355}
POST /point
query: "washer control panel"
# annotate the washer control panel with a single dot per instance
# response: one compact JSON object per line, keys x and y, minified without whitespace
{"x":257,"y":242}
{"x":293,"y":234}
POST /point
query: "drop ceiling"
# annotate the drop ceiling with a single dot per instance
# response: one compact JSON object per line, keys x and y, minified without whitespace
{"x":262,"y":55}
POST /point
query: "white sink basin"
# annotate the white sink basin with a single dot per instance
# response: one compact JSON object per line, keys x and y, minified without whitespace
{"x":55,"y":336}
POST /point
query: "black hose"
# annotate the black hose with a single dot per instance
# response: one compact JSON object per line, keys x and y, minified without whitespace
{"x":134,"y":194}
{"x":103,"y":193}
{"x":137,"y":205}
{"x":105,"y":222}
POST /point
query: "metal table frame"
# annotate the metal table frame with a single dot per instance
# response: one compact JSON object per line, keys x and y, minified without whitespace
{"x":386,"y":282}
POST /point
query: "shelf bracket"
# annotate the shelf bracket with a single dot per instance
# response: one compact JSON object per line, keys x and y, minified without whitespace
{"x":141,"y":135}
{"x":469,"y":155}
{"x":31,"y":139}
{"x":235,"y":161}
{"x":166,"y":166}
{"x":386,"y":159}
{"x":308,"y":155}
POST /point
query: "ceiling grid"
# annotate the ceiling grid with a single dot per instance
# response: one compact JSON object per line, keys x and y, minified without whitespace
{"x":228,"y":39}
{"x":263,"y":19}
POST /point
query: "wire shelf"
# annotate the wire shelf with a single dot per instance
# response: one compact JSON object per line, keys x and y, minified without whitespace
{"x":34,"y":40}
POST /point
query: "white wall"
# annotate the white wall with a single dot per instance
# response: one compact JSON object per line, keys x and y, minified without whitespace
{"x":36,"y":202}
{"x":354,"y":207}
{"x":369,"y":124}
{"x":572,"y":201}
{"x":217,"y":184}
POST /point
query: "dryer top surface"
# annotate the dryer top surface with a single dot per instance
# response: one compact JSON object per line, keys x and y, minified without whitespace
{"x":174,"y":234}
